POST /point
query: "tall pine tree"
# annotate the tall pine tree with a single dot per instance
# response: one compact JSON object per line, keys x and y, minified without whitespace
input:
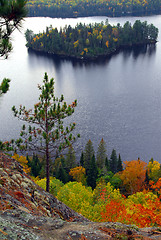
{"x":47,"y":134}
{"x":113,"y":161}
{"x":101,"y":155}
{"x":88,"y":154}
{"x":70,"y":160}
{"x":119,"y":164}
{"x":92,"y":173}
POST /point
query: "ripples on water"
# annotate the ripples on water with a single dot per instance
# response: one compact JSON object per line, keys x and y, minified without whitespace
{"x":119,"y":97}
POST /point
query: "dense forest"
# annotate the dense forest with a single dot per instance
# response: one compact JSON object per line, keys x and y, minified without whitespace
{"x":102,"y":188}
{"x":81,"y":8}
{"x":93,"y":40}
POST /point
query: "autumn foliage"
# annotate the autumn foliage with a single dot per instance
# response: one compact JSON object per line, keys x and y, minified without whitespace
{"x":133,"y":176}
{"x":141,"y":206}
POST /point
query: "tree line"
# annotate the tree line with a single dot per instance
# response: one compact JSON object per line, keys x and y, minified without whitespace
{"x":82,"y":8}
{"x":134,"y":200}
{"x":89,"y":169}
{"x":93,"y":40}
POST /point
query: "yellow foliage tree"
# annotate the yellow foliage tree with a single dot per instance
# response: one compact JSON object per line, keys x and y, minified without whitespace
{"x":133,"y":176}
{"x":23,"y":161}
{"x":78,"y":174}
{"x":154,"y":170}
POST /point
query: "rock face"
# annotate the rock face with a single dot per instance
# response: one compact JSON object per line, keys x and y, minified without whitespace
{"x":28,"y":212}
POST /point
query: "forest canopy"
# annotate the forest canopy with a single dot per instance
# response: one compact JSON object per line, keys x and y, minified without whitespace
{"x":93,"y":40}
{"x":81,"y":8}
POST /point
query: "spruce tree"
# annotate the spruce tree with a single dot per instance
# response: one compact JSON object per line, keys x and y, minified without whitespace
{"x":101,"y":155}
{"x":70,"y":160}
{"x":92,"y":173}
{"x":107,"y":164}
{"x":88,"y":154}
{"x":47,"y":135}
{"x":35,"y":165}
{"x":82,"y":159}
{"x":61,"y":174}
{"x":113,"y":161}
{"x":119,"y":164}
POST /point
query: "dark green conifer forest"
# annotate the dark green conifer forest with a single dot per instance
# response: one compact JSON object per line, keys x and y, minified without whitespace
{"x":93,"y":40}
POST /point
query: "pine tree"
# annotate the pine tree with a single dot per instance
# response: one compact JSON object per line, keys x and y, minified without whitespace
{"x":48,"y":134}
{"x":113,"y":161}
{"x":70,"y":160}
{"x":119,"y":164}
{"x":35,"y":165}
{"x":61,"y":174}
{"x":88,"y":154}
{"x":82,"y":159}
{"x":92,"y":173}
{"x":12,"y":13}
{"x":107,"y":164}
{"x":101,"y":155}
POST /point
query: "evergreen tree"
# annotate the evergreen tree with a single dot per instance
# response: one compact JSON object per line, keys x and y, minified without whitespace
{"x":92,"y":173}
{"x":101,"y":155}
{"x":48,"y":134}
{"x":88,"y":154}
{"x":35,"y":165}
{"x":107,"y":164}
{"x":70,"y":160}
{"x":12,"y":13}
{"x":113,"y":161}
{"x":61,"y":174}
{"x":82,"y":159}
{"x":119,"y":164}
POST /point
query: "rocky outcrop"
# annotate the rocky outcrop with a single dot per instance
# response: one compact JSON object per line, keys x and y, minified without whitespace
{"x":28,"y":212}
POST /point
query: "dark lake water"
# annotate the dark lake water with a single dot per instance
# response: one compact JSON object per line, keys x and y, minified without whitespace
{"x":119,"y":98}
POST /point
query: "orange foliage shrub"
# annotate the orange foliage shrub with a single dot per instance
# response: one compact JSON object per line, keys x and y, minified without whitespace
{"x":138,"y":214}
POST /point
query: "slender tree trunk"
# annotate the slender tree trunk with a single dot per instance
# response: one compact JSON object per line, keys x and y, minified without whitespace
{"x":47,"y":168}
{"x":47,"y":153}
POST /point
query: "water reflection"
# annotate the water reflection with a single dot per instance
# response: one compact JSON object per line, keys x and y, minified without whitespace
{"x":118,"y":96}
{"x":135,"y":52}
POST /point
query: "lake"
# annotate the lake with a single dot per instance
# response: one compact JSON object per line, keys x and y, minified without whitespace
{"x":119,"y":98}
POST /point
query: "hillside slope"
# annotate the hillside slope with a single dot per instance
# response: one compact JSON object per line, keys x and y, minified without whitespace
{"x":28,"y":212}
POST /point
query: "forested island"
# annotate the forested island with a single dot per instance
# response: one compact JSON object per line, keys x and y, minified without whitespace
{"x":81,"y":8}
{"x":93,"y":40}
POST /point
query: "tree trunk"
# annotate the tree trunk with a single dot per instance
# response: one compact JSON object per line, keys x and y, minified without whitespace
{"x":47,"y":169}
{"x":47,"y":151}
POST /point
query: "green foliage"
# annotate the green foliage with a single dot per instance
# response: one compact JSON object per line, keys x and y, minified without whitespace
{"x":88,"y":154}
{"x":4,"y":85}
{"x":101,"y":155}
{"x":93,"y":40}
{"x":92,"y":173}
{"x":47,"y":134}
{"x":11,"y":14}
{"x":35,"y":164}
{"x":153,"y":170}
{"x":82,"y":159}
{"x":119,"y":164}
{"x":75,"y":195}
{"x":115,"y":181}
{"x":81,"y":8}
{"x":141,"y":198}
{"x":113,"y":161}
{"x":55,"y":185}
{"x":70,"y":160}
